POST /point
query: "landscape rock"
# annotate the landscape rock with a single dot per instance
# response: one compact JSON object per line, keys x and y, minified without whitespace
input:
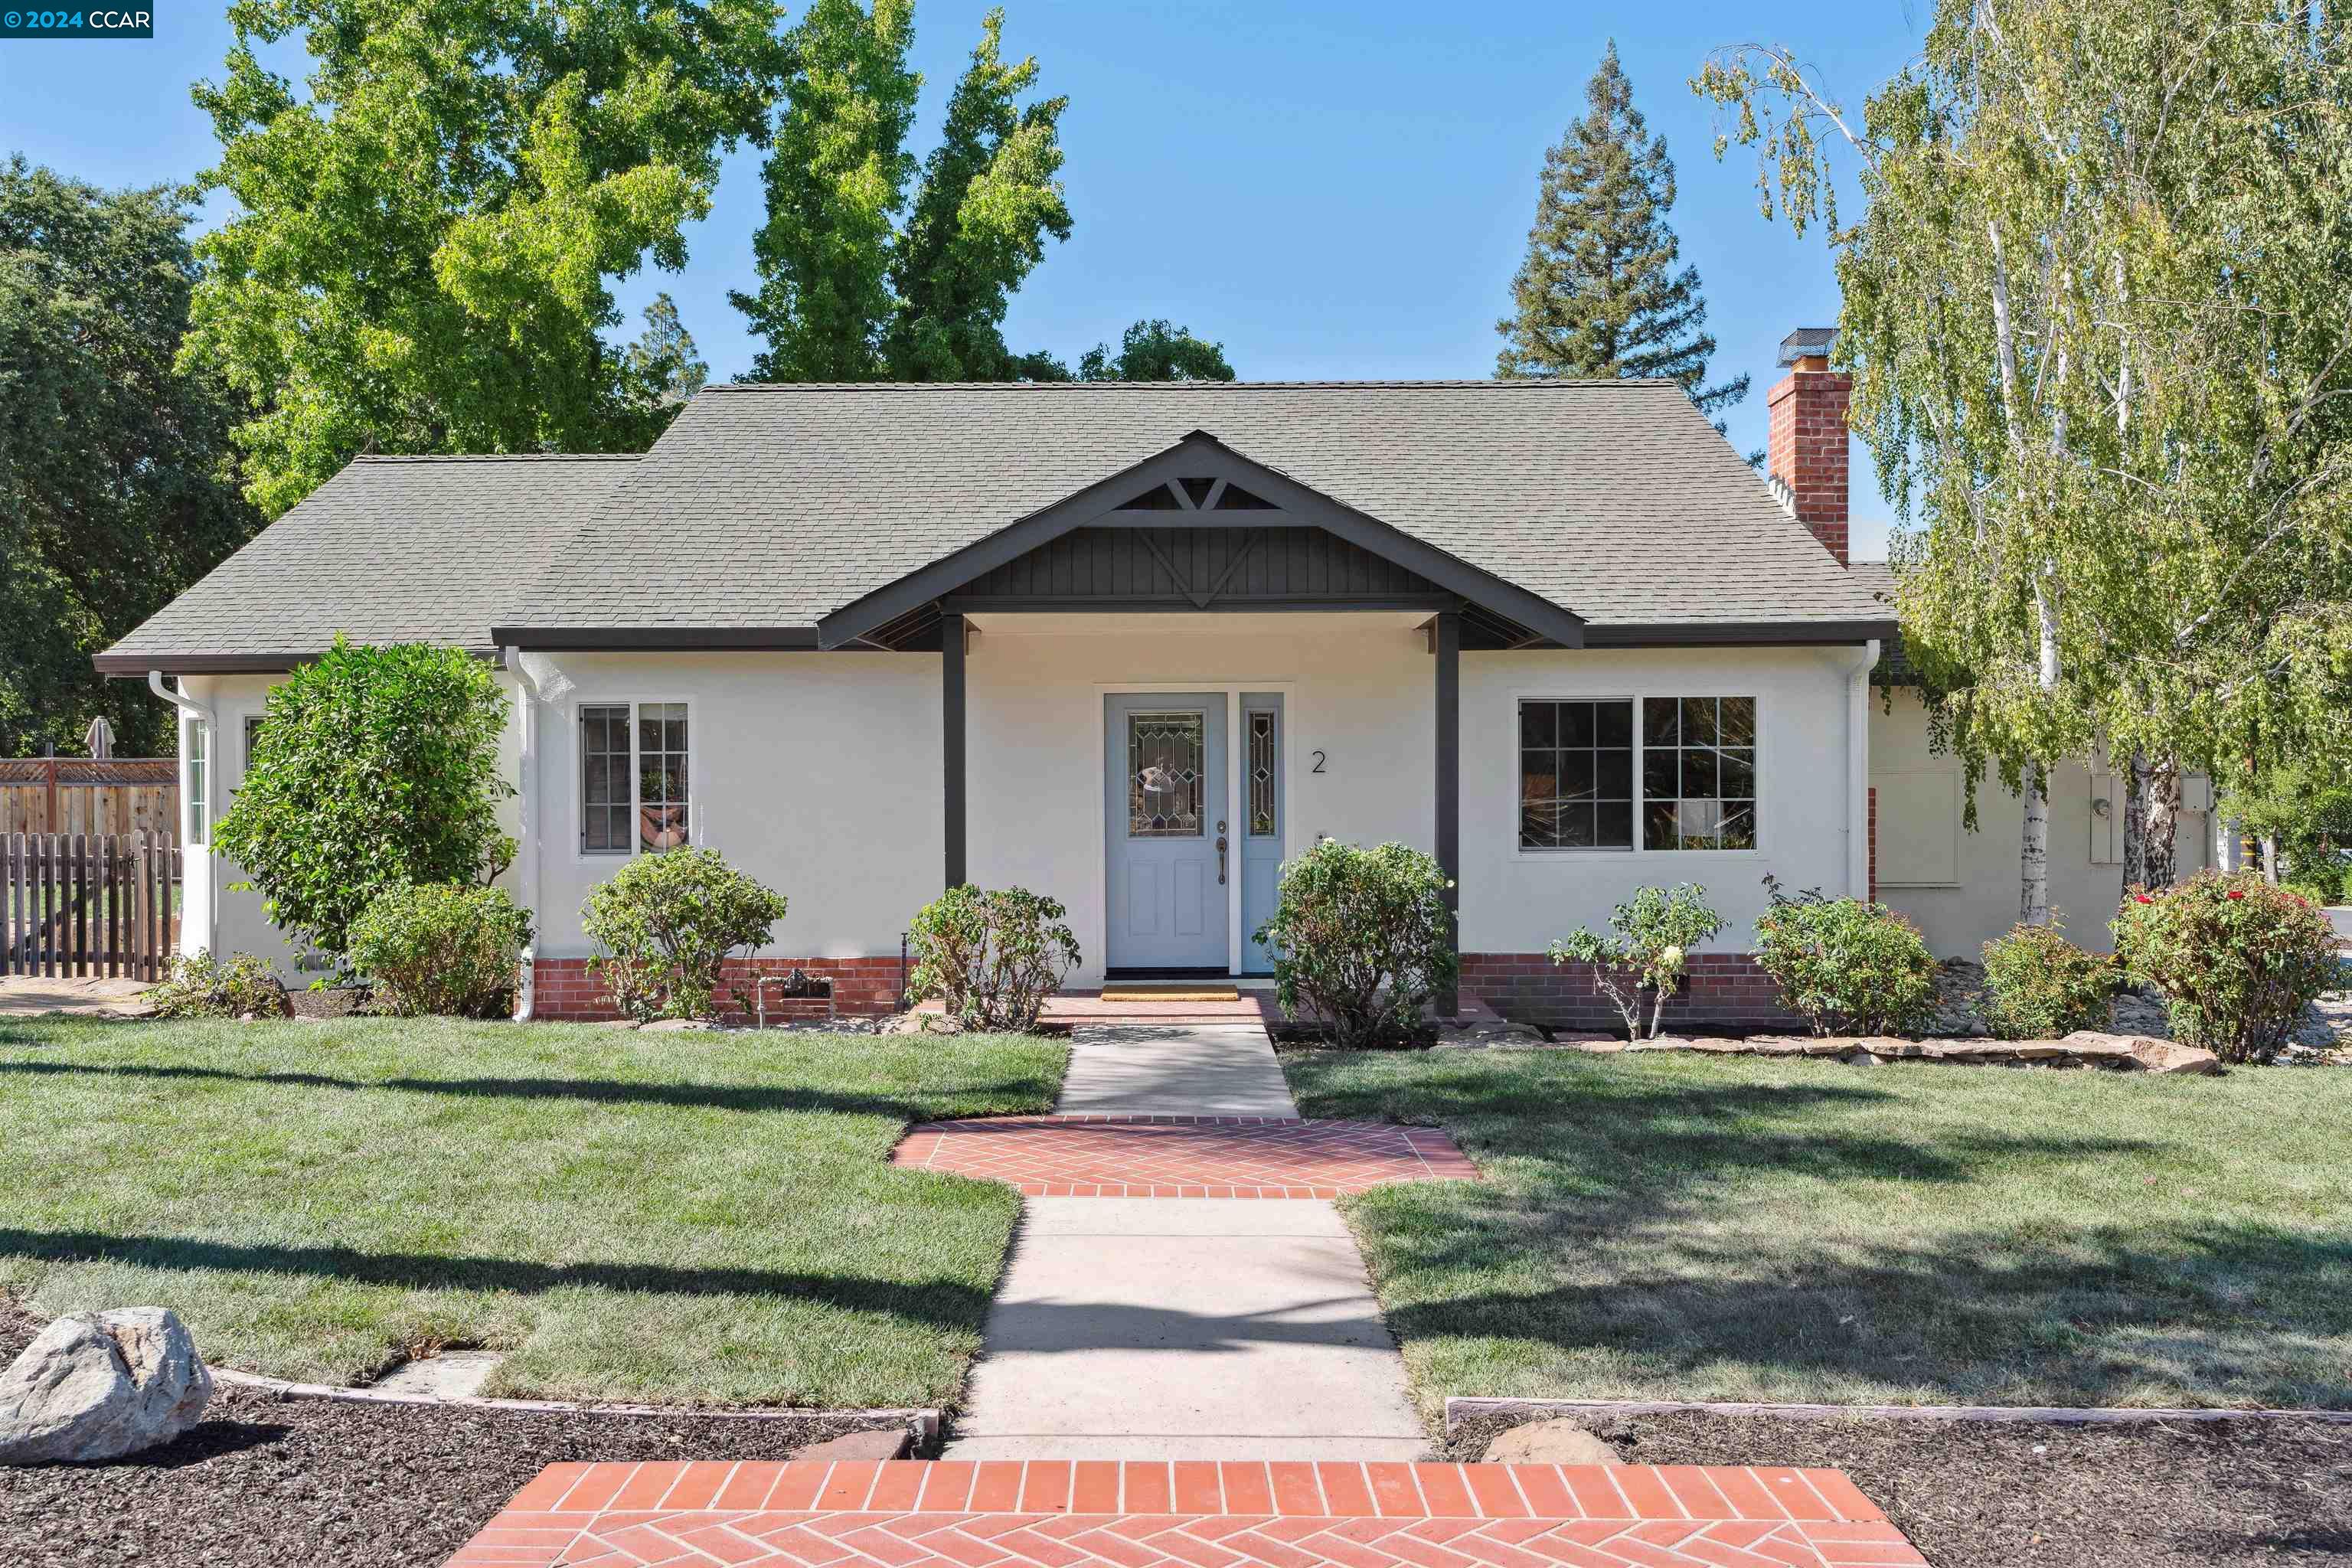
{"x":98,"y":1386}
{"x":891,"y":1444}
{"x":1489,"y":1033}
{"x":1554,"y":1442}
{"x":674,"y":1025}
{"x":2143,"y":1051}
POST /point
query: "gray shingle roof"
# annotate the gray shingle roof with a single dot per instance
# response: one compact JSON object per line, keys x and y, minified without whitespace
{"x":769,"y":506}
{"x":389,"y":550}
{"x":1877,"y":579}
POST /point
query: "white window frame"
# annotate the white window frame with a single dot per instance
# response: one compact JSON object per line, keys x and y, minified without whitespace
{"x":1640,"y":747}
{"x":698,"y":835}
{"x":197,"y":802}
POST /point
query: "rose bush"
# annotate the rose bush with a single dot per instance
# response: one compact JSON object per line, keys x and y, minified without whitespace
{"x":2237,"y":960}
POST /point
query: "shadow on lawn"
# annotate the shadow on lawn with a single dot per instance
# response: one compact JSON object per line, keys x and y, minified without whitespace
{"x":940,"y":1104}
{"x":1613,"y":1229}
{"x":940,"y":1302}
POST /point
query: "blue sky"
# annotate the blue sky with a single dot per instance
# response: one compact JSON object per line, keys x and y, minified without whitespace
{"x":1332,"y":191}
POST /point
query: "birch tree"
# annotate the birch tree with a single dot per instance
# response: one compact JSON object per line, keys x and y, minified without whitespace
{"x":2098,"y":308}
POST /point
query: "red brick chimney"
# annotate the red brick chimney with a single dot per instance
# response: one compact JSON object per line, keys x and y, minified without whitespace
{"x":1805,"y":451}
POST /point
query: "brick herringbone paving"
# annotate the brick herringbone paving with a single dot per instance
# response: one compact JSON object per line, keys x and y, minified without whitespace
{"x":1101,"y":1514}
{"x":1185,"y":1156}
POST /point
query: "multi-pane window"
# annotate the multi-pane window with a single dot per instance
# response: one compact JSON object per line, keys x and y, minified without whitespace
{"x":1576,"y":775}
{"x":1262,"y":780}
{"x":1696,"y":772}
{"x":199,"y":781}
{"x":1165,"y":777}
{"x":1699,"y":773}
{"x":635,"y":767}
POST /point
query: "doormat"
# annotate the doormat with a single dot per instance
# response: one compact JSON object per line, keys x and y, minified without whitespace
{"x":1170,"y":993}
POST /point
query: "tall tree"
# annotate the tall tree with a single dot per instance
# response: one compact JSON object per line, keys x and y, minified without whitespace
{"x":875,"y":267}
{"x":117,"y":481}
{"x":2099,"y":309}
{"x":990,"y":195}
{"x":847,"y":291}
{"x":837,"y":179}
{"x":424,"y":237}
{"x":1599,"y":294}
{"x":664,"y":366}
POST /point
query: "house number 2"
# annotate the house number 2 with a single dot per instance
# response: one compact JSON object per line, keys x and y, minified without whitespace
{"x":1319,"y":759}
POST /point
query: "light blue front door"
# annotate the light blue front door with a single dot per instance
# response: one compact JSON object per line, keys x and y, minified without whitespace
{"x":1169,"y":848}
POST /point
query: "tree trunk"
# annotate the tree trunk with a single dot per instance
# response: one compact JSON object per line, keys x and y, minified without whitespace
{"x":2135,"y":822}
{"x":2033,"y":850}
{"x":2163,"y":821}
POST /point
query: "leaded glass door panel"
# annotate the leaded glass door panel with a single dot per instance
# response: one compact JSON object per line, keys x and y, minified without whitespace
{"x":1171,"y":848}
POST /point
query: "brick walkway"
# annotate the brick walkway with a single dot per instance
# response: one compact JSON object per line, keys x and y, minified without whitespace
{"x":1185,"y":1156}
{"x":1058,"y":1514}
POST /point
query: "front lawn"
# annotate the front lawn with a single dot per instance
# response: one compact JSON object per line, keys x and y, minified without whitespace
{"x":702,"y":1217}
{"x":1695,"y":1228}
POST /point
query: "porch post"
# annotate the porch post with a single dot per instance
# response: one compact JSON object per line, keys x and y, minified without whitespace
{"x":952,"y":747}
{"x":1449,"y":786}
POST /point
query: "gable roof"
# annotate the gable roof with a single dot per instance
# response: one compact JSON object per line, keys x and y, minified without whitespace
{"x":772,"y":507}
{"x":1609,"y":509}
{"x":389,"y":550}
{"x":1199,"y":456}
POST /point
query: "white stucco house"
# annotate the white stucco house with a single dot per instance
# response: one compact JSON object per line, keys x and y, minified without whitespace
{"x":1128,"y":646}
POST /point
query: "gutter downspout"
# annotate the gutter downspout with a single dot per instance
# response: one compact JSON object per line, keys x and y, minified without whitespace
{"x":203,"y":713}
{"x":1857,"y":769}
{"x":527,"y":699}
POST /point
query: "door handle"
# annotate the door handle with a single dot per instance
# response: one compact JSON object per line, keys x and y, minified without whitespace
{"x":1221,"y":854}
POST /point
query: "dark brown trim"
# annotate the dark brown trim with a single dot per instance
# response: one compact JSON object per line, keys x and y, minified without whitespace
{"x":1448,"y":648}
{"x":1196,"y":454}
{"x":952,"y":742}
{"x":1735,"y":634}
{"x":1414,"y":604}
{"x":651,"y":639}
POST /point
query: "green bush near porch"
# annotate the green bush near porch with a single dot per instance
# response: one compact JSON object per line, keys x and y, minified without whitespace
{"x":1361,"y":939}
{"x":681,"y":1217}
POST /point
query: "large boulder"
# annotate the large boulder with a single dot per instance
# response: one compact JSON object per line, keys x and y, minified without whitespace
{"x":98,"y":1386}
{"x":2143,"y":1051}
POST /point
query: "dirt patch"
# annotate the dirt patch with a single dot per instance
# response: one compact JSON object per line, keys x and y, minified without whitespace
{"x":269,"y":1482}
{"x":2222,"y":1494}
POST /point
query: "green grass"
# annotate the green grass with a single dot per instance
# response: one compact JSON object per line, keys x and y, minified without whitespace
{"x":1695,"y":1227}
{"x":688,"y":1218}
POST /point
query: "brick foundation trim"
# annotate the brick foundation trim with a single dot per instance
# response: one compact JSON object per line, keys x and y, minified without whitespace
{"x":564,"y":991}
{"x":1722,"y":990}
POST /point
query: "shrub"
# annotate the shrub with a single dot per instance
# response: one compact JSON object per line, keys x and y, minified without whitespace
{"x":2040,"y":986}
{"x":1655,"y":932}
{"x":200,"y":986}
{"x":991,"y":958}
{"x":372,"y":768}
{"x":436,"y":947}
{"x":1849,"y":967}
{"x":664,"y":925}
{"x":2238,"y":961}
{"x":2321,"y":880}
{"x":1362,"y":937}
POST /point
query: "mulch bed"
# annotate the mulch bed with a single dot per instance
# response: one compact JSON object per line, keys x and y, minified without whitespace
{"x":2219,"y":1494}
{"x":270,"y":1482}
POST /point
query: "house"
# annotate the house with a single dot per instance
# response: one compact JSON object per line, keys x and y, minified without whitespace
{"x":1125,"y":645}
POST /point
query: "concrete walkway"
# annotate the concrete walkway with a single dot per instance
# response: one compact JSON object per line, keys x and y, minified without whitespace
{"x":1184,"y":1329}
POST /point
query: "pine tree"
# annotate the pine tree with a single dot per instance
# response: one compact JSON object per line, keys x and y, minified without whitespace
{"x":664,"y":366}
{"x":1599,"y":295}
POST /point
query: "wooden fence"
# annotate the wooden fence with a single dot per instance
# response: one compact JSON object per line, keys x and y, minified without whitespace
{"x":90,"y":794}
{"x":87,"y":905}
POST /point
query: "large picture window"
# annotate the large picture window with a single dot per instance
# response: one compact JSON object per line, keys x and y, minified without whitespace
{"x":1695,"y":773}
{"x":1576,"y":775}
{"x":1699,"y":773}
{"x":635,"y":772}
